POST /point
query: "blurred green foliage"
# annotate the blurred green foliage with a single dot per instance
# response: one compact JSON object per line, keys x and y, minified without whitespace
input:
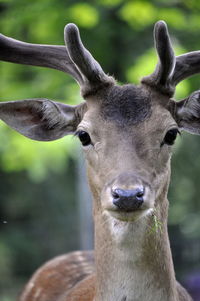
{"x":119,"y":35}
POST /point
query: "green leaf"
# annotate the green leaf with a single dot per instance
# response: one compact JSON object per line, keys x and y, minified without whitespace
{"x":173,"y":17}
{"x":138,"y":14}
{"x":110,"y":3}
{"x":144,"y":65}
{"x":84,"y":15}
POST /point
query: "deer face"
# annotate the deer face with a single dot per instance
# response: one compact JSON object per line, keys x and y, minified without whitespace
{"x":127,"y":131}
{"x":127,"y":138}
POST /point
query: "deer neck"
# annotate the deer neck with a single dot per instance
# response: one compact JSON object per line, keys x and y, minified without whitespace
{"x":133,"y":260}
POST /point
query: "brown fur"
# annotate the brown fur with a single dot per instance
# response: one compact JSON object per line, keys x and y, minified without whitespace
{"x":52,"y":280}
{"x":83,"y":291}
{"x":127,"y":104}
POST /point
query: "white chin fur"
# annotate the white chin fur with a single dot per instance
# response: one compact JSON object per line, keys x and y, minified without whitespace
{"x":126,"y":230}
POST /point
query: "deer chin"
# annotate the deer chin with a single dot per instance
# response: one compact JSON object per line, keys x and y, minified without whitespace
{"x":130,"y":216}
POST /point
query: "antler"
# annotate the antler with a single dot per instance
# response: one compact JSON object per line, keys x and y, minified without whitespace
{"x":170,"y":70}
{"x":55,"y":57}
{"x":160,"y":78}
{"x":88,"y":66}
{"x":74,"y":59}
{"x":187,"y":65}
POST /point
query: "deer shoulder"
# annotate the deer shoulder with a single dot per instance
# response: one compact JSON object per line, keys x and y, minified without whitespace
{"x":59,"y":276}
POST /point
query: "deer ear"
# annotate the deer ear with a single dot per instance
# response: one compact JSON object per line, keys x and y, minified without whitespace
{"x":41,"y":119}
{"x":188,"y":113}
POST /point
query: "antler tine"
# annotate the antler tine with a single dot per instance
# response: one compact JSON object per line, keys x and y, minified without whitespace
{"x":170,"y":70}
{"x":160,"y":78}
{"x":88,"y":66}
{"x":165,"y":52}
{"x":187,"y":65}
{"x":55,"y":57}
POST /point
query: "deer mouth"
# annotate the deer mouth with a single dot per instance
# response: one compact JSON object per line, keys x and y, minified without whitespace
{"x":129,"y":216}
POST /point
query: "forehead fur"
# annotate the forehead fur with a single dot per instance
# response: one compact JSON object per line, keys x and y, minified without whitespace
{"x":126,"y":104}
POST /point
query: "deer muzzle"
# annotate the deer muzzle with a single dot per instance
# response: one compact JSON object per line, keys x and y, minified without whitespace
{"x":128,"y":200}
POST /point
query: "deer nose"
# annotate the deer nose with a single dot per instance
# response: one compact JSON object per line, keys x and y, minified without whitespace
{"x":128,"y":200}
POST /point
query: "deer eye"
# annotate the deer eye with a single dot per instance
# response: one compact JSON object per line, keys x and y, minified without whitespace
{"x":84,"y":137}
{"x":170,"y":137}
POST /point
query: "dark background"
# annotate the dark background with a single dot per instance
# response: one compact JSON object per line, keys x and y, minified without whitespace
{"x":42,"y":185}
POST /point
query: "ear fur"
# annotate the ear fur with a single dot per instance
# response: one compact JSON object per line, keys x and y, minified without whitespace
{"x":42,"y":119}
{"x":188,"y":113}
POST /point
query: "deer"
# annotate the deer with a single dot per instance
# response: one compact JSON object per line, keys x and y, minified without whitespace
{"x":127,"y":134}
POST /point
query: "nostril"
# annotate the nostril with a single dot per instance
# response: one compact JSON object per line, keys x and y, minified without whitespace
{"x":139,"y":193}
{"x":115,"y":193}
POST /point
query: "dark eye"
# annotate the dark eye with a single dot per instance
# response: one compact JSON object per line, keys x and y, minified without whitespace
{"x":170,"y":137}
{"x":84,"y":138}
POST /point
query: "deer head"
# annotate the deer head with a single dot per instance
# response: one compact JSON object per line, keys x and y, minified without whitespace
{"x":127,"y":131}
